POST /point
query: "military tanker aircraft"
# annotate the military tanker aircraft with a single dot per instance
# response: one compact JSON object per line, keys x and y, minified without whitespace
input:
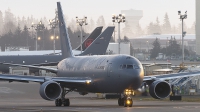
{"x":95,"y":74}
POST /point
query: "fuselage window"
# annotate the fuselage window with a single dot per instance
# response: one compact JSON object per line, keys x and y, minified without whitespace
{"x":129,"y":66}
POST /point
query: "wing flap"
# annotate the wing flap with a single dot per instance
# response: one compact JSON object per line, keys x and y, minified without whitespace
{"x":21,"y":78}
{"x":41,"y":79}
{"x":84,"y":80}
{"x":46,"y":64}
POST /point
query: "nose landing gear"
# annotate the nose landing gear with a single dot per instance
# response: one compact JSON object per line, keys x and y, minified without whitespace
{"x":126,"y":100}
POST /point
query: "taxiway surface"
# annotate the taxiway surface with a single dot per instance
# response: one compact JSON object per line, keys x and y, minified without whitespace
{"x":24,"y":97}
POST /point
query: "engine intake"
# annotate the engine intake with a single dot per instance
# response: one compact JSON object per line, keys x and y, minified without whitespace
{"x":50,"y":90}
{"x":160,"y":89}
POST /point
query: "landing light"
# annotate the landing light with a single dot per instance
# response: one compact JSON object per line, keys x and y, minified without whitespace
{"x":128,"y":102}
{"x":128,"y":92}
{"x":88,"y":82}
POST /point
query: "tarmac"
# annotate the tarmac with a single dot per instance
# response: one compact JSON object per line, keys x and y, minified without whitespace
{"x":24,"y":97}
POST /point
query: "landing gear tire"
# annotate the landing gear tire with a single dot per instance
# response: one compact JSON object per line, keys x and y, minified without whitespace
{"x":58,"y":102}
{"x":66,"y":102}
{"x":128,"y":102}
{"x":121,"y":101}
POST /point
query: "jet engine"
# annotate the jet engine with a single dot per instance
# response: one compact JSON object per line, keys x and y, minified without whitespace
{"x":50,"y":90}
{"x":159,"y":89}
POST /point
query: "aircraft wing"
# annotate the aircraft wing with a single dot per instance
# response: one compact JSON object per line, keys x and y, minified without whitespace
{"x":53,"y":70}
{"x":46,"y":64}
{"x":170,"y":76}
{"x":41,"y":79}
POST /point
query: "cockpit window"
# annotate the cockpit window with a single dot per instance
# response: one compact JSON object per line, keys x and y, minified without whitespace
{"x":136,"y":67}
{"x":124,"y":66}
{"x":129,"y":66}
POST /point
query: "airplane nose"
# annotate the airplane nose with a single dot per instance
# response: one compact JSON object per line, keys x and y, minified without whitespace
{"x":137,"y":78}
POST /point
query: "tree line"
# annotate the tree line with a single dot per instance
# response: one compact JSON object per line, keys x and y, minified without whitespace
{"x":173,"y":49}
{"x":156,"y":27}
{"x":17,"y":32}
{"x":10,"y":22}
{"x":26,"y":38}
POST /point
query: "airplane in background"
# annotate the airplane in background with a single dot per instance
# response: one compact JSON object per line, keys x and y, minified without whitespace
{"x":96,"y":74}
{"x":86,"y":43}
{"x":98,"y":48}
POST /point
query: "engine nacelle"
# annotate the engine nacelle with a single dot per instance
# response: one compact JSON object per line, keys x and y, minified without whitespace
{"x":50,"y":90}
{"x":159,"y":89}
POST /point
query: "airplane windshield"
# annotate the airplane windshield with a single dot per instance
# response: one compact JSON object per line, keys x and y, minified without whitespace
{"x":136,"y":67}
{"x":124,"y":66}
{"x":129,"y":66}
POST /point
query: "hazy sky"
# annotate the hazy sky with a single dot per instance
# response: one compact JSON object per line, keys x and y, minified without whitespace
{"x":95,"y":8}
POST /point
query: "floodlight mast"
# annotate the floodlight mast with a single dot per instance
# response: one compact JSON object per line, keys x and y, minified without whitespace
{"x":182,"y":17}
{"x":53,"y":24}
{"x":37,"y":27}
{"x":118,"y":19}
{"x":81,"y":22}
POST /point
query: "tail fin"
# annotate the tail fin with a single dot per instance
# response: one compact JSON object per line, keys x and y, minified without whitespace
{"x":64,"y":37}
{"x":91,"y":38}
{"x":100,"y":44}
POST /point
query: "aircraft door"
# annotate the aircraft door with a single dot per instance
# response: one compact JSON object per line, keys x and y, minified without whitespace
{"x":109,"y":69}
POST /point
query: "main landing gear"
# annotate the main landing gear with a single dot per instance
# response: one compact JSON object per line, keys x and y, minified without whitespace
{"x":126,"y":100}
{"x":63,"y":101}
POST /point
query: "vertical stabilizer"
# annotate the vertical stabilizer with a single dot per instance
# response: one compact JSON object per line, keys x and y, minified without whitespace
{"x":100,"y":44}
{"x":64,"y":37}
{"x":91,"y":38}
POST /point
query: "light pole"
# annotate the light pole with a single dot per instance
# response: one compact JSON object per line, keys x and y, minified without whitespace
{"x":81,"y":22}
{"x":41,"y":28}
{"x":26,"y":29}
{"x":148,"y":45}
{"x":182,"y":17}
{"x":54,"y":43}
{"x":114,"y":31}
{"x":37,"y":27}
{"x":53,"y":24}
{"x":118,"y":19}
{"x":39,"y":38}
{"x":166,"y":45}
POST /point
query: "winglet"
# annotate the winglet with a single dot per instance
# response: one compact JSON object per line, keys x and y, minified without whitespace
{"x":100,"y":44}
{"x":64,"y":37}
{"x":91,"y":38}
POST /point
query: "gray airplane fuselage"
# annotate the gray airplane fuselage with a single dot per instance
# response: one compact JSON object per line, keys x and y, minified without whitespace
{"x":109,"y":73}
